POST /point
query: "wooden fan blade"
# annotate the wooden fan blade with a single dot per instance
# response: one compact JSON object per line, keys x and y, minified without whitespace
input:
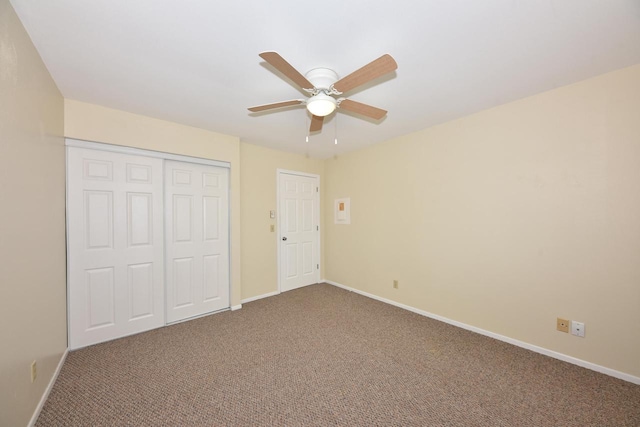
{"x":279,"y":63}
{"x":364,"y":109}
{"x":316,"y":123}
{"x":275,"y":105}
{"x":381,"y":66}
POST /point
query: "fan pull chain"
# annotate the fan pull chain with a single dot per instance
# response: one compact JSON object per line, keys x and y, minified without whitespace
{"x":306,"y":128}
{"x":335,"y":121}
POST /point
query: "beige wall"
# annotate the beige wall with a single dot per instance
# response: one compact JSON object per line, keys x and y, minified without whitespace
{"x":507,"y":219}
{"x":32,"y":223}
{"x":258,"y":189}
{"x":100,"y":124}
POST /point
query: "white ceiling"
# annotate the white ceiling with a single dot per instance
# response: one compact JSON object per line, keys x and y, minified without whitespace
{"x":196,"y":61}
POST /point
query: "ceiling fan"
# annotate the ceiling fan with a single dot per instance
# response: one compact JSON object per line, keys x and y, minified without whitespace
{"x":323,"y":86}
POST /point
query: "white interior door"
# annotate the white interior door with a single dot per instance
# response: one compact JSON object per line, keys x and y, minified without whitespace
{"x":197,"y":239}
{"x":299,"y":230}
{"x":115,"y":232}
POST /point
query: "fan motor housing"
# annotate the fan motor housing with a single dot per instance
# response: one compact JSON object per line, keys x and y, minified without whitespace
{"x":322,"y":78}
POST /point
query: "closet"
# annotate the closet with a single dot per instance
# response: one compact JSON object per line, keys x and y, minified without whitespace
{"x":147,"y":240}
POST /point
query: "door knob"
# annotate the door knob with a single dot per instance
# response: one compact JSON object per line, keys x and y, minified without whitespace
{"x":284,"y":238}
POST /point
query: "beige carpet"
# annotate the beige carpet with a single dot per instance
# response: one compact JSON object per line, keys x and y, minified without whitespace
{"x":324,"y":356}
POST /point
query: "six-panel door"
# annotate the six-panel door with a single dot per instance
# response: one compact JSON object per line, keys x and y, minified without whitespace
{"x":299,"y":231}
{"x":116,"y":270}
{"x":197,"y":236}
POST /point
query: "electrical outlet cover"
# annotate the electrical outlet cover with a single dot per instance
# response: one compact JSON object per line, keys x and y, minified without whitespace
{"x":562,"y":325}
{"x":34,"y":371}
{"x":577,"y":328}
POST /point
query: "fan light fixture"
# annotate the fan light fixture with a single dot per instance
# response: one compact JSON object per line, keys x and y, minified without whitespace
{"x":321,"y":105}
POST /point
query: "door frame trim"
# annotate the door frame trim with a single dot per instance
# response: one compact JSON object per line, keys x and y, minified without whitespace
{"x":70,"y":142}
{"x":279,"y":173}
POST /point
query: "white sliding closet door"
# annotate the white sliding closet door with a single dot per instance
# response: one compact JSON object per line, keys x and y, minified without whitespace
{"x":115,"y":232}
{"x":197,"y":239}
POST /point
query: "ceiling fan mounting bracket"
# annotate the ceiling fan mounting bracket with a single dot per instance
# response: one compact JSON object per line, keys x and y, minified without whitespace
{"x":322,"y":78}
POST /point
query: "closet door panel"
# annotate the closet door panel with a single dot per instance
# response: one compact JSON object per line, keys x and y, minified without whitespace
{"x":115,"y":231}
{"x":197,"y":236}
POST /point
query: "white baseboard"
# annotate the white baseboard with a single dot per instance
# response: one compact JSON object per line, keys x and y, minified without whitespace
{"x":534,"y":348}
{"x":257,"y":297}
{"x":236,"y":307}
{"x":45,"y":396}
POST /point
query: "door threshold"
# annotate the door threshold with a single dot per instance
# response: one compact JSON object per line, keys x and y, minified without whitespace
{"x":209,"y":313}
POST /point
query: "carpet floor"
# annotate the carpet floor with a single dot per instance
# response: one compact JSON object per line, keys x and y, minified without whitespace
{"x":323,"y":356}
